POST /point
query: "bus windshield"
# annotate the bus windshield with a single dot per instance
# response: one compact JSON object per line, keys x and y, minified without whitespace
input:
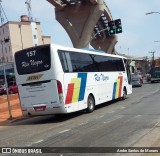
{"x":33,"y":60}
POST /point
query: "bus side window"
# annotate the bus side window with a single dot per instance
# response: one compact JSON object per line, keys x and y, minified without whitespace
{"x":63,"y":61}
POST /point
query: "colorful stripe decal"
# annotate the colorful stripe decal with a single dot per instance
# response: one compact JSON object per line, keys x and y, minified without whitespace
{"x":114,"y":90}
{"x":120,"y":87}
{"x":76,"y":89}
{"x":69,"y":93}
{"x":76,"y":82}
{"x":83,"y":77}
{"x":117,"y":88}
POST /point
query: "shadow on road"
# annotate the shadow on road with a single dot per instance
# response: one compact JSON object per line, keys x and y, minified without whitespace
{"x":52,"y":118}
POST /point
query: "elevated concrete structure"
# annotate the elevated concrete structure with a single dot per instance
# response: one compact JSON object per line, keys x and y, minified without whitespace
{"x":85,"y":21}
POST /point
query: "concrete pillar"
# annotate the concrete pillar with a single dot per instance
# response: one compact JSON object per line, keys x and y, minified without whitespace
{"x":79,"y":21}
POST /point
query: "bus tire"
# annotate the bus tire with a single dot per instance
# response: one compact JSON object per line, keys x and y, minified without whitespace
{"x":90,"y":104}
{"x":124,"y":94}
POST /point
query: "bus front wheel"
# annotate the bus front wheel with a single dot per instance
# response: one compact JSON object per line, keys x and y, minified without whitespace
{"x":90,"y":104}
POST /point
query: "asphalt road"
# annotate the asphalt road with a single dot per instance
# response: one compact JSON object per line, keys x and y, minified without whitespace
{"x":113,"y":124}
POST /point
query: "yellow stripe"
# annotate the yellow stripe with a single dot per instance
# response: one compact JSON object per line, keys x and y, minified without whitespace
{"x":117,"y":88}
{"x":77,"y":82}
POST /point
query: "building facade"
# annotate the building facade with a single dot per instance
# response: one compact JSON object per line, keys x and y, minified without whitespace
{"x":157,"y":62}
{"x":15,"y":36}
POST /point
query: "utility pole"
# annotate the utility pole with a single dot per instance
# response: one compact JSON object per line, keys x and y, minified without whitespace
{"x":5,"y":40}
{"x":29,"y":8}
{"x":152,"y":52}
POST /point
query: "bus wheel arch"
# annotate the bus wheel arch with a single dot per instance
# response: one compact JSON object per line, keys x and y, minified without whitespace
{"x":90,"y":103}
{"x":124,"y":96}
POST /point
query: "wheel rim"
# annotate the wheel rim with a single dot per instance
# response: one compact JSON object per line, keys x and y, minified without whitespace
{"x":91,"y":103}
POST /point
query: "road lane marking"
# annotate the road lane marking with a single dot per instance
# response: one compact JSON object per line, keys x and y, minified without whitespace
{"x":132,"y":118}
{"x":83,"y":123}
{"x":100,"y":117}
{"x":115,"y":118}
{"x":123,"y":107}
{"x":138,"y":116}
{"x":64,"y":131}
{"x":38,"y":141}
{"x":111,"y":112}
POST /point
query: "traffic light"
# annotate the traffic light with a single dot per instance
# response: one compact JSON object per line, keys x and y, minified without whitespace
{"x":111,"y":28}
{"x":114,"y":27}
{"x":118,"y":26}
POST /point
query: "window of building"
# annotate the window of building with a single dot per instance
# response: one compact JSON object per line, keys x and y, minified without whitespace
{"x":35,"y":37}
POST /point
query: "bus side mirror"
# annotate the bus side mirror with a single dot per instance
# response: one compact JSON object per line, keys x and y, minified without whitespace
{"x":132,"y":69}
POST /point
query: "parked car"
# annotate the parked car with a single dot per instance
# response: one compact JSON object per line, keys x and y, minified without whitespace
{"x":137,"y":80}
{"x":12,"y":88}
{"x":2,"y":89}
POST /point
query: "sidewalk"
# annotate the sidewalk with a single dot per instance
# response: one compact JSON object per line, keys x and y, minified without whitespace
{"x":15,"y":108}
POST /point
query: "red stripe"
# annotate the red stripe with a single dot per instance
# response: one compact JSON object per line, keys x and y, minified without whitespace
{"x":69,"y":93}
{"x":120,"y":86}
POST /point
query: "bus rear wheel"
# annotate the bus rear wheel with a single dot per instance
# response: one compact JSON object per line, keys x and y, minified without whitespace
{"x":90,"y":104}
{"x":124,"y":94}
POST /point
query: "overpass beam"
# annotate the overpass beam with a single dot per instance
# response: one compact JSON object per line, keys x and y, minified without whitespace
{"x":79,"y":18}
{"x":56,"y":3}
{"x":106,"y":44}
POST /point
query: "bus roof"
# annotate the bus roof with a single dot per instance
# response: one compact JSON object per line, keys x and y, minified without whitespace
{"x":94,"y":50}
{"x":85,"y":50}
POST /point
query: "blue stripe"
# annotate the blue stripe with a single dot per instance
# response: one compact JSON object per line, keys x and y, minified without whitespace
{"x":83,"y":77}
{"x":114,"y":91}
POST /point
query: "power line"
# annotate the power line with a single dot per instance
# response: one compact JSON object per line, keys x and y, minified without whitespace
{"x":152,"y":52}
{"x":3,"y":62}
{"x":29,"y":8}
{"x":1,"y":14}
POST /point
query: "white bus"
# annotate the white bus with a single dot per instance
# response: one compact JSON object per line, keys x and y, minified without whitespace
{"x":54,"y":79}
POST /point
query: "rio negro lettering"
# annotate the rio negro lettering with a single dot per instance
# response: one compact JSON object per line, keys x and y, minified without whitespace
{"x":31,"y":63}
{"x":101,"y":77}
{"x":36,"y":63}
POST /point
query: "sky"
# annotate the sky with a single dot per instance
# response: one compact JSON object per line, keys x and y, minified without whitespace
{"x":140,"y":31}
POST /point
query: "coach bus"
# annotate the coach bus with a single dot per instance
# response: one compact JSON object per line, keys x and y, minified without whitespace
{"x":54,"y":79}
